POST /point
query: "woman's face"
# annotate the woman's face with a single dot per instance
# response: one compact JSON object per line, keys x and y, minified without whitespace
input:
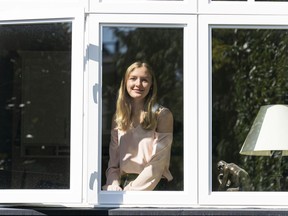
{"x":138,"y":83}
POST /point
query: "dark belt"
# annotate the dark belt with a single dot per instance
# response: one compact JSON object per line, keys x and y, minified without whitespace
{"x":128,"y":177}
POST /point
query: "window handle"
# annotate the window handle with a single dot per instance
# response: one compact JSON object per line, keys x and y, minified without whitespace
{"x":95,"y":93}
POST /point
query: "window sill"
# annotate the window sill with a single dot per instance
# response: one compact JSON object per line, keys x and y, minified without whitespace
{"x":140,"y":211}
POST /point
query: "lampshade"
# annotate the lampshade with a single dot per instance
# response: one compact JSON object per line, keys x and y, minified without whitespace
{"x":269,"y":132}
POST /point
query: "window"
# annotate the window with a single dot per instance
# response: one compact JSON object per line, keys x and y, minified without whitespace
{"x":234,"y":95}
{"x":164,"y":45}
{"x":168,"y":66}
{"x":60,"y":70}
{"x":247,"y":7}
{"x":258,"y":77}
{"x":36,"y":72}
{"x":40,"y":107}
{"x":144,"y":6}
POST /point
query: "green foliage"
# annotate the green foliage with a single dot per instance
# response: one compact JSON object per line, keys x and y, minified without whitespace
{"x":249,"y":70}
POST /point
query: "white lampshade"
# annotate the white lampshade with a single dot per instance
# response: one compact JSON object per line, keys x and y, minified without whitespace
{"x":269,"y":132}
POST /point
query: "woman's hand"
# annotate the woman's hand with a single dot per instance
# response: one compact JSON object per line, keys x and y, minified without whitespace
{"x":114,"y":188}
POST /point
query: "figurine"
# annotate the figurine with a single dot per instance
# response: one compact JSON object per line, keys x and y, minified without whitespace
{"x":232,"y":177}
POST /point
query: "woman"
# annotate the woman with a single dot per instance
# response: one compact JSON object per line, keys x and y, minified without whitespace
{"x":141,"y":135}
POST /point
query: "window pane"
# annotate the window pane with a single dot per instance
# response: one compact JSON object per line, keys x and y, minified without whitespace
{"x":163,"y":49}
{"x":249,"y":71}
{"x":35,"y":76}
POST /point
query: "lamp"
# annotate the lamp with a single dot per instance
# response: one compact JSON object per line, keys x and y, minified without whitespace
{"x":269,"y":132}
{"x":268,"y":135}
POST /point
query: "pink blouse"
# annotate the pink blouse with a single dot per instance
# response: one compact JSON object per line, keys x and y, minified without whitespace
{"x":139,"y":151}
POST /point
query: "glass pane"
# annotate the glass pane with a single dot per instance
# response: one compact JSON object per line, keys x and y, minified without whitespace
{"x":249,"y":70}
{"x":35,"y":76}
{"x":162,"y":48}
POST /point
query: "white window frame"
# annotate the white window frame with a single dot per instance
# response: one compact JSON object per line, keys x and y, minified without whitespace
{"x":23,"y":14}
{"x":145,"y":198}
{"x":242,"y":7}
{"x":206,"y":195}
{"x":143,"y":6}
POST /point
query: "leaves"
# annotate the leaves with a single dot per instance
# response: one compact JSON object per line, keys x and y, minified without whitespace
{"x":249,"y":70}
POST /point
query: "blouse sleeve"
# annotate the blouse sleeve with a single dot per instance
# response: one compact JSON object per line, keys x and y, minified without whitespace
{"x":113,"y":171}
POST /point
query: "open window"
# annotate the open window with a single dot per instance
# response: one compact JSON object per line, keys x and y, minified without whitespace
{"x":164,"y":45}
{"x":41,"y":107}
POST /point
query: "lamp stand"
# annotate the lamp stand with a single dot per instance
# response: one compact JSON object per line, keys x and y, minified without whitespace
{"x":277,"y":156}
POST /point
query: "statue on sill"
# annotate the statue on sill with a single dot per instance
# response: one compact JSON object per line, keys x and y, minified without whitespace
{"x":232,"y":177}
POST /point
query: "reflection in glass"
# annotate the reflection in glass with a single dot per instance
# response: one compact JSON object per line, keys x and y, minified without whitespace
{"x":35,"y":75}
{"x":163,"y":49}
{"x":249,"y":70}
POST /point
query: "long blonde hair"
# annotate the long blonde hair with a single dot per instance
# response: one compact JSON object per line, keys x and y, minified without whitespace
{"x":123,"y":106}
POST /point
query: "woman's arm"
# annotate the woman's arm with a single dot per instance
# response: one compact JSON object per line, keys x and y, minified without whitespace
{"x":113,"y":171}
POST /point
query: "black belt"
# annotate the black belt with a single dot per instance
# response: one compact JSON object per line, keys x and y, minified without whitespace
{"x":128,"y":177}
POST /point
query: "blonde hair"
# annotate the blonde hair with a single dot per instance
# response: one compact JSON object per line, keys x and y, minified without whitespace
{"x":123,"y":106}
